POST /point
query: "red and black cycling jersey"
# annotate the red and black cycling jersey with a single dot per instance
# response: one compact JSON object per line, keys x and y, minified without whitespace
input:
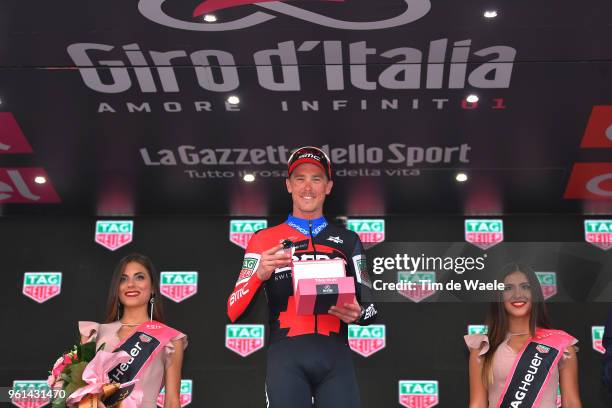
{"x":330,"y":241}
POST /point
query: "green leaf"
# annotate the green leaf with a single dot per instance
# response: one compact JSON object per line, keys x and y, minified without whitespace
{"x":59,"y":403}
{"x":87,"y":351}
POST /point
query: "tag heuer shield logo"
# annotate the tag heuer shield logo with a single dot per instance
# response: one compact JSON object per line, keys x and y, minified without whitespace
{"x":548,"y":282}
{"x":42,"y":286}
{"x":418,"y":292}
{"x":418,"y":394}
{"x":178,"y":286}
{"x":31,"y":394}
{"x":114,"y":234}
{"x":241,"y":231}
{"x":598,"y":233}
{"x":244,"y":339}
{"x":366,"y":340}
{"x":478,"y":329}
{"x":185,"y":394}
{"x":484,"y":233}
{"x":370,"y":231}
{"x":597,"y":335}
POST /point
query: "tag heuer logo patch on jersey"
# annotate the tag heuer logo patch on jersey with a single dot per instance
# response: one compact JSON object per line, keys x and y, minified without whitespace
{"x":478,"y":329}
{"x":597,"y":334}
{"x":548,"y":282}
{"x":42,"y":286}
{"x":542,"y":349}
{"x":366,"y":340}
{"x":114,"y":234}
{"x":484,"y":233}
{"x":249,"y":266}
{"x":31,"y":394}
{"x":598,"y":233}
{"x":418,"y":394}
{"x":186,"y":392}
{"x":244,"y":339}
{"x":144,"y":338}
{"x":178,"y":286}
{"x":370,"y":231}
{"x":419,"y":292}
{"x":241,"y":231}
{"x":337,"y":240}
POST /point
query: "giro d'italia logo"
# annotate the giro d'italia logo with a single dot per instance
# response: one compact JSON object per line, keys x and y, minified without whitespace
{"x":366,"y":340}
{"x":42,"y":286}
{"x":598,"y":233}
{"x":244,"y":339}
{"x":418,"y":394}
{"x":417,"y":286}
{"x":597,"y":333}
{"x":114,"y":234}
{"x":178,"y":286}
{"x":548,"y":282}
{"x":370,"y":231}
{"x":484,"y":233}
{"x":241,"y":231}
{"x":186,"y":392}
{"x":160,"y":12}
{"x":30,"y":394}
{"x":478,"y":329}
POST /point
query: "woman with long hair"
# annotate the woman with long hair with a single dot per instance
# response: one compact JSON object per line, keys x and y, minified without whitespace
{"x":135,"y":323}
{"x":522,"y":361}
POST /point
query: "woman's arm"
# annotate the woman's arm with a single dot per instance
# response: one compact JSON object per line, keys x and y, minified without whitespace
{"x":568,"y":377}
{"x":478,"y":391}
{"x":173,"y":376}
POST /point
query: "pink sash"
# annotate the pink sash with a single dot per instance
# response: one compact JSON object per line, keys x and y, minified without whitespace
{"x":142,"y":346}
{"x":533,"y":368}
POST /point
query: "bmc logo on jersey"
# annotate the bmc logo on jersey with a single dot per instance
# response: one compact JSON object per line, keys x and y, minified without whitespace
{"x":484,"y":233}
{"x":241,"y":231}
{"x":478,"y":329}
{"x":370,"y":231}
{"x":597,"y":335}
{"x":186,"y":392}
{"x":178,"y":286}
{"x":418,"y":292}
{"x":367,"y":340}
{"x":157,"y":11}
{"x":12,"y":139}
{"x":598,"y":233}
{"x":31,"y":394}
{"x":42,"y":286}
{"x":114,"y":234}
{"x":244,"y":339}
{"x":548,"y":282}
{"x":418,"y":394}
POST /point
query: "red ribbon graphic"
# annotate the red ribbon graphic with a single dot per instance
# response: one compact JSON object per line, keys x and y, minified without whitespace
{"x":209,"y":6}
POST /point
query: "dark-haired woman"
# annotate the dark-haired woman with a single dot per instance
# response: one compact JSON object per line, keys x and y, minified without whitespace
{"x":134,"y":323}
{"x":522,"y":361}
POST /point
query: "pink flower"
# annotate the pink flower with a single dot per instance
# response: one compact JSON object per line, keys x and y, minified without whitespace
{"x":51,"y":380}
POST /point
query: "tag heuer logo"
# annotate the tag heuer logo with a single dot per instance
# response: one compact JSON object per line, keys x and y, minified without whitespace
{"x":114,"y":234}
{"x":241,"y":231}
{"x":418,"y":293}
{"x":484,"y":233}
{"x":548,"y":282}
{"x":418,"y":394}
{"x":185,"y":394}
{"x":478,"y":329}
{"x":558,"y":400}
{"x":598,"y":233}
{"x":31,"y":394}
{"x":597,"y":333}
{"x":42,"y":286}
{"x":144,"y":338}
{"x":542,"y":348}
{"x":244,"y":339}
{"x":178,"y":286}
{"x":370,"y":231}
{"x":366,"y":340}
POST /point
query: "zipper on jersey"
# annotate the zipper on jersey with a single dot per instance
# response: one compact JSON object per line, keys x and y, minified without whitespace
{"x":314,"y":248}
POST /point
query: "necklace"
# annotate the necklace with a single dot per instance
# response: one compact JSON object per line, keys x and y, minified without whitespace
{"x":518,"y":334}
{"x":130,"y":324}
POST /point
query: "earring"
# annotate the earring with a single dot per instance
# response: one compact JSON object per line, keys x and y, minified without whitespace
{"x":152,"y":302}
{"x":118,"y":310}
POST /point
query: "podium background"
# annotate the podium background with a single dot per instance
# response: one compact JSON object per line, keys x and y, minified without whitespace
{"x":424,"y":341}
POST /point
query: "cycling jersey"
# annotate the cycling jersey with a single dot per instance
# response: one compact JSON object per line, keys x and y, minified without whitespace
{"x":312,"y":239}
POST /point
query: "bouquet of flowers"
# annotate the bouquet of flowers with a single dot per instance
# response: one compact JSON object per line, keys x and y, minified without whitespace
{"x":82,"y":373}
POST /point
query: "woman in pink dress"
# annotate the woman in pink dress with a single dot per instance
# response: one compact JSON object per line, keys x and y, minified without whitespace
{"x":513,"y":321}
{"x":133,"y":300}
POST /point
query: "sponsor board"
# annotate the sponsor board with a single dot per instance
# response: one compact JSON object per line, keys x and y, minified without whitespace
{"x":31,"y":393}
{"x":418,"y":394}
{"x":42,"y":286}
{"x":598,"y":233}
{"x":484,"y":233}
{"x":17,"y":185}
{"x":12,"y":139}
{"x":370,"y":231}
{"x":548,"y":282}
{"x":478,"y":329}
{"x":178,"y":286}
{"x":419,"y":292}
{"x":367,"y":340}
{"x":244,"y":339}
{"x":114,"y":234}
{"x":241,"y":231}
{"x":185,"y":396}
